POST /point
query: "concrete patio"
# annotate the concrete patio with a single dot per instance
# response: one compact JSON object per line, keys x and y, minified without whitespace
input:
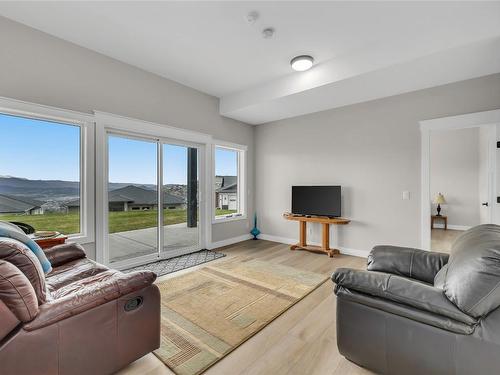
{"x":134,"y":243}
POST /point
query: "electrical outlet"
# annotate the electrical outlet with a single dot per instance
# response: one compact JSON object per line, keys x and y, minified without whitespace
{"x":406,"y":195}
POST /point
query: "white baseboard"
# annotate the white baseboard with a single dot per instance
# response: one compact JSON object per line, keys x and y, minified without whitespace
{"x":451,"y":226}
{"x":229,"y":241}
{"x":291,"y":241}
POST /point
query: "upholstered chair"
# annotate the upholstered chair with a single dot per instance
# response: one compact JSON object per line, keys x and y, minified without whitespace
{"x":81,"y":318}
{"x":420,"y":312}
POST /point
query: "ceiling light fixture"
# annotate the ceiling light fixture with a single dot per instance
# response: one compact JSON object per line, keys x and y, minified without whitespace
{"x":302,"y":63}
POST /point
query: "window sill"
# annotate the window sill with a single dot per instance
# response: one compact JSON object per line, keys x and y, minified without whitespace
{"x":223,"y":219}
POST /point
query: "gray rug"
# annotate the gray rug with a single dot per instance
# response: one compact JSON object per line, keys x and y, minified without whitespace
{"x":166,"y":266}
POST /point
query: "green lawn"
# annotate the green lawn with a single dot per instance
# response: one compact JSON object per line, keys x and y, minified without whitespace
{"x":119,"y":221}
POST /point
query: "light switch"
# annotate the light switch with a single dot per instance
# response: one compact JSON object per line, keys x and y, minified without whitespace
{"x":406,"y":195}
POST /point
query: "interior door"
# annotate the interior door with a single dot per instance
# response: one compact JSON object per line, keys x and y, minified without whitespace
{"x":485,"y":175}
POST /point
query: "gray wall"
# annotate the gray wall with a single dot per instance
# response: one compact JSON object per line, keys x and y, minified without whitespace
{"x":39,"y":68}
{"x":371,"y":149}
{"x":454,"y":172}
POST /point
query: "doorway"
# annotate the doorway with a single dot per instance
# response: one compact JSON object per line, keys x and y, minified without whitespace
{"x":459,"y":176}
{"x":152,"y":199}
{"x":459,"y":183}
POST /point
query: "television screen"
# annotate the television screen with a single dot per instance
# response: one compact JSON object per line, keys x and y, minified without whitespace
{"x":316,"y":200}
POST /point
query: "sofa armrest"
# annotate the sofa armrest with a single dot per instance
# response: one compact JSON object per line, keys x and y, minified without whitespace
{"x":89,"y":293}
{"x":405,"y":311}
{"x":405,"y":261}
{"x":401,"y":290}
{"x":64,"y":253}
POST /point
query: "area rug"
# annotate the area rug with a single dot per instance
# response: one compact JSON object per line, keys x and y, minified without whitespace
{"x":164,"y":267}
{"x":209,"y":312}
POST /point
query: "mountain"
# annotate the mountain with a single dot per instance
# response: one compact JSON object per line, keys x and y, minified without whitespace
{"x":43,"y":190}
{"x":46,"y":190}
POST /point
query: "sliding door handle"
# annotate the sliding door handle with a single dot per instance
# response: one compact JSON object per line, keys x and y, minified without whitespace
{"x":484,"y":204}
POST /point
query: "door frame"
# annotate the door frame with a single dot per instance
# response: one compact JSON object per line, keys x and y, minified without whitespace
{"x":490,"y":119}
{"x":108,"y":123}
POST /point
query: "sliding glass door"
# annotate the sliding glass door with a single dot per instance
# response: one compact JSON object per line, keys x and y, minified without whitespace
{"x":152,"y":200}
{"x":180,"y":192}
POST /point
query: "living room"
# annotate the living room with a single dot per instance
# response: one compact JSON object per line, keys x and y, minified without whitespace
{"x":318,"y":127}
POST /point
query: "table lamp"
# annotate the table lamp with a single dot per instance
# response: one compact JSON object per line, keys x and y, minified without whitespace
{"x":439,"y":200}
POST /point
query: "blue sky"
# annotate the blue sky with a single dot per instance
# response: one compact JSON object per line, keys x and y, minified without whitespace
{"x":43,"y":150}
{"x":39,"y":150}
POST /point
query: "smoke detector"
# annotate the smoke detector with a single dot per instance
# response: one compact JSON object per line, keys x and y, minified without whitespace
{"x":268,"y":33}
{"x":252,"y":17}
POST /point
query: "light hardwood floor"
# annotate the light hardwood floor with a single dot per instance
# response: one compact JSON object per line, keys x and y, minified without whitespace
{"x":301,"y":341}
{"x":441,"y":240}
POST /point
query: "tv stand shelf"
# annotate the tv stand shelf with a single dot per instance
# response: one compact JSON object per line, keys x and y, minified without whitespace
{"x":325,"y":222}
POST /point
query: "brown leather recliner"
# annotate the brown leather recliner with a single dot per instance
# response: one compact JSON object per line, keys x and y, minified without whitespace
{"x":81,"y":318}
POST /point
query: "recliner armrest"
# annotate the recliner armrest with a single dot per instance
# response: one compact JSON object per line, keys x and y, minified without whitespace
{"x":401,"y":290}
{"x":404,"y":311}
{"x":88,"y":293}
{"x":405,"y":261}
{"x":64,"y":253}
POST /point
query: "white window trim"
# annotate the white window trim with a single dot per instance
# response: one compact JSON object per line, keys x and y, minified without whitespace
{"x":242,"y":182}
{"x":87,"y":161}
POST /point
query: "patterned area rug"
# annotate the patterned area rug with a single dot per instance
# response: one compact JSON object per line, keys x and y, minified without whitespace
{"x":209,"y":312}
{"x":167,"y":266}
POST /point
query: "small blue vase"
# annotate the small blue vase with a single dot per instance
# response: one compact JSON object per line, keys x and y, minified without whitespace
{"x":255,"y":231}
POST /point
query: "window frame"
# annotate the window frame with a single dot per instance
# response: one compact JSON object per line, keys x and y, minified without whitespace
{"x":107,"y":123}
{"x":86,"y":124}
{"x":242,"y":190}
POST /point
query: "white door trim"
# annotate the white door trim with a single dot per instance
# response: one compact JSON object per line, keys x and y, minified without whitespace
{"x":470,"y":120}
{"x":106,"y":123}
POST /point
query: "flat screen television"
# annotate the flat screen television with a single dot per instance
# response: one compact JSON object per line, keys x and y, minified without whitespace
{"x":316,"y":200}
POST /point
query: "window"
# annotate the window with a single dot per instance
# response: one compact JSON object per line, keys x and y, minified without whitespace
{"x":42,"y":176}
{"x":229,"y":182}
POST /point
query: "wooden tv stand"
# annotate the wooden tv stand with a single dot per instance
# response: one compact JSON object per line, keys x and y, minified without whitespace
{"x":325,"y":222}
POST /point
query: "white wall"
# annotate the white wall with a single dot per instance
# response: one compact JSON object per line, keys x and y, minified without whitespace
{"x":39,"y":68}
{"x":371,"y":149}
{"x":454,"y":171}
{"x":484,"y":177}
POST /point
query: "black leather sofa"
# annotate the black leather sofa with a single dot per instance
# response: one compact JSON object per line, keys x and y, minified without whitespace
{"x":420,"y":312}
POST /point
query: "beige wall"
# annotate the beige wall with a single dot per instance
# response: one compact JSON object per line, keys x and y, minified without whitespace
{"x":39,"y":68}
{"x":371,"y":149}
{"x":454,"y":161}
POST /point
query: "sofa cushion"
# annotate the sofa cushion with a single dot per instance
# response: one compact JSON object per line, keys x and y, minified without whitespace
{"x":64,"y":253}
{"x":17,"y":293}
{"x":73,"y":271}
{"x":23,"y":258}
{"x":472,"y":281}
{"x":406,"y":261}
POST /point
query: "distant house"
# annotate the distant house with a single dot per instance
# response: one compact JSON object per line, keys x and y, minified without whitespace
{"x":10,"y":204}
{"x":134,"y":198}
{"x":226,"y":192}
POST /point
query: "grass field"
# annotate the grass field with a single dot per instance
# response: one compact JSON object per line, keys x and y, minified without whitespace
{"x":119,"y":221}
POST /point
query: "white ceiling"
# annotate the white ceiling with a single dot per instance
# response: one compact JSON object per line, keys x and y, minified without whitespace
{"x":209,"y":46}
